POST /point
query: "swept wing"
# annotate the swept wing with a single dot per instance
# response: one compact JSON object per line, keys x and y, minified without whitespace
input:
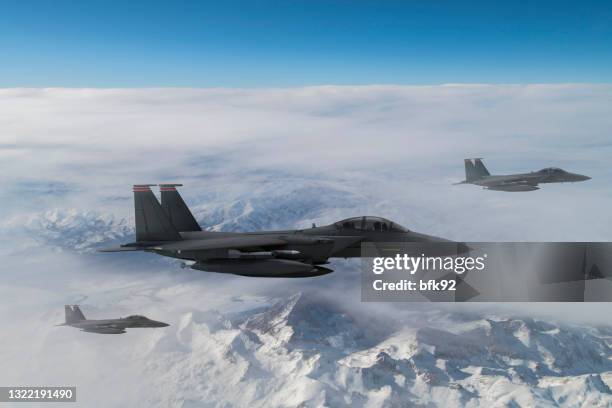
{"x":237,"y":242}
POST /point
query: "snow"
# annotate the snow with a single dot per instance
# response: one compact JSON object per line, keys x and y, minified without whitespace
{"x":302,"y":348}
{"x":282,"y":356}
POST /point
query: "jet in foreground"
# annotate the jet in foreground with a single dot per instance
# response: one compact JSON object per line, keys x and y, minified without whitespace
{"x":477,"y":173}
{"x":171,"y":230}
{"x":75,"y":318}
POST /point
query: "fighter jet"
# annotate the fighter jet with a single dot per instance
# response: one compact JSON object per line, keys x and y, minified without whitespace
{"x":169,"y":229}
{"x":75,"y":318}
{"x":477,"y":173}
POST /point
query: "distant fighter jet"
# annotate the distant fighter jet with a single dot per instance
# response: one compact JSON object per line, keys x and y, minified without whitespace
{"x":75,"y":318}
{"x":477,"y":173}
{"x":171,"y":230}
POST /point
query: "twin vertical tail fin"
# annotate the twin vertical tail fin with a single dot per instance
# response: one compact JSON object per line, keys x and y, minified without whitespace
{"x":470,"y":170}
{"x":475,"y":170}
{"x":176,"y":209}
{"x":480,"y":168}
{"x":73,"y":314}
{"x":152,"y":222}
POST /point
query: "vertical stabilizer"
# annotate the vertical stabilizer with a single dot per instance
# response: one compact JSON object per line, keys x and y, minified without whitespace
{"x":179,"y":214}
{"x":73,"y":314}
{"x":480,"y":168}
{"x":152,"y":223}
{"x":470,"y":171}
{"x":475,"y":170}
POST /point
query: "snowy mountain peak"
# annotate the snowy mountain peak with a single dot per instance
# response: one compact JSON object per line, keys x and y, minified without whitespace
{"x":309,"y":351}
{"x":305,"y":321}
{"x":70,"y":229}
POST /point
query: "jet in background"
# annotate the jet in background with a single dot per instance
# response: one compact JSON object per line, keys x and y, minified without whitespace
{"x":75,"y":318}
{"x":477,"y":173}
{"x":171,"y":230}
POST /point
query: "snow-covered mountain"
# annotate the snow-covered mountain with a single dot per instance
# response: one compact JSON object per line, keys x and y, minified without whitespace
{"x":305,"y":351}
{"x":271,"y":207}
{"x":230,"y":345}
{"x":69,"y":229}
{"x":277,"y":207}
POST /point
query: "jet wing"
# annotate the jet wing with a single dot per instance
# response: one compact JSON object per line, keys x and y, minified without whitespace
{"x":518,"y":186}
{"x":235,"y":242}
{"x":511,"y":183}
{"x":522,"y":182}
{"x":342,"y":242}
{"x":104,"y":330}
{"x":121,"y":249}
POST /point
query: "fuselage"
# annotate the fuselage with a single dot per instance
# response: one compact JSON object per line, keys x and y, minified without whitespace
{"x":122,"y":323}
{"x":532,"y":178}
{"x":317,"y":244}
{"x":169,"y":229}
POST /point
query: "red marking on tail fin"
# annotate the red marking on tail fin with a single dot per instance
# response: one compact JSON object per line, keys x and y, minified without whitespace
{"x":138,"y":188}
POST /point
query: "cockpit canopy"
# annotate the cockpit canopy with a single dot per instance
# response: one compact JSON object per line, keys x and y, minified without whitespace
{"x":136,"y":317}
{"x":552,"y":170}
{"x":369,"y":224}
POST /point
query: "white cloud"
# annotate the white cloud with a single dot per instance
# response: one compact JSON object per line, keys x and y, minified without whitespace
{"x":406,"y":143}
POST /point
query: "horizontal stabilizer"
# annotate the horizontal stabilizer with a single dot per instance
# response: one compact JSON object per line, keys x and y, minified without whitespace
{"x":121,"y":249}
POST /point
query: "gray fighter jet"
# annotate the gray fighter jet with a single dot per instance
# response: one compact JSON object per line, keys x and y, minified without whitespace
{"x":477,"y":173}
{"x":171,"y":230}
{"x":75,"y":318}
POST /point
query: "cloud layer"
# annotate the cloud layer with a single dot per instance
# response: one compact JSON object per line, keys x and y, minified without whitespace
{"x":267,"y":158}
{"x":401,"y":146}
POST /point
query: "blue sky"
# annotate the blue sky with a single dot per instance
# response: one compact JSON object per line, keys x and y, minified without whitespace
{"x":293,"y":43}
